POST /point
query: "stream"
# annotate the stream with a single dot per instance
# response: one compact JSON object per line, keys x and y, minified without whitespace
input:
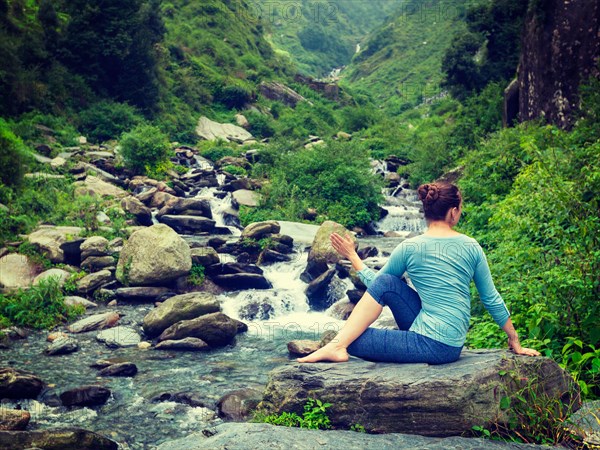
{"x":132,"y":416}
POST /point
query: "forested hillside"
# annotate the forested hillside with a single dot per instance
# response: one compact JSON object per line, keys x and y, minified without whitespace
{"x":320,"y":36}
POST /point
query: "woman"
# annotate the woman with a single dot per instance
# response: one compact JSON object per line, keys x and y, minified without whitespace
{"x":433,"y":320}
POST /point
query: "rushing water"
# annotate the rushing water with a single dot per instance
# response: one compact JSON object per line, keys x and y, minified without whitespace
{"x":274,"y":317}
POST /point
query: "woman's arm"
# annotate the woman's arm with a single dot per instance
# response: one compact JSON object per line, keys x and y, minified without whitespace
{"x":513,"y":341}
{"x":345,"y":247}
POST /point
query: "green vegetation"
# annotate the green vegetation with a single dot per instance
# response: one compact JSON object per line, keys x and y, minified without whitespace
{"x":40,"y":307}
{"x":314,"y":416}
{"x":334,"y":179}
{"x":196,"y":276}
{"x":13,"y":156}
{"x":144,"y":148}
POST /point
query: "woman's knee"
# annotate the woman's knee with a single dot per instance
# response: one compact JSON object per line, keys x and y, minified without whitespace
{"x":384,"y":284}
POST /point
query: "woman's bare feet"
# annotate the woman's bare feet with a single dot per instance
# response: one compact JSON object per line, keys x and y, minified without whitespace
{"x":330,"y":352}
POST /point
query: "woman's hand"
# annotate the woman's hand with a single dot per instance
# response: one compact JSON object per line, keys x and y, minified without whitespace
{"x":343,"y":245}
{"x":515,"y":346}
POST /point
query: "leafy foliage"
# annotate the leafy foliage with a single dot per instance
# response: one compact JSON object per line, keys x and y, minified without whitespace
{"x":314,"y":416}
{"x":13,"y":156}
{"x":144,"y":147}
{"x":108,"y":120}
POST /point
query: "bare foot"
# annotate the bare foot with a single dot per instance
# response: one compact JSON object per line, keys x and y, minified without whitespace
{"x":330,"y":352}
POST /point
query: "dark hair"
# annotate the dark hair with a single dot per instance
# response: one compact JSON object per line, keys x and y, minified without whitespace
{"x":438,"y":198}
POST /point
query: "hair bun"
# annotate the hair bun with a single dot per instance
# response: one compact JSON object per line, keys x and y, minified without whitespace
{"x":428,"y":193}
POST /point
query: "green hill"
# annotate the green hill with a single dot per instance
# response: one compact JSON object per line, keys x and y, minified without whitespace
{"x":319,"y":36}
{"x":400,"y":65}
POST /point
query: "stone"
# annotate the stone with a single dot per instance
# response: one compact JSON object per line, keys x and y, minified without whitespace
{"x":16,"y":271}
{"x":274,"y":90}
{"x":160,"y":199}
{"x":93,"y":281}
{"x":50,"y":239}
{"x":56,"y":335}
{"x":143,"y":293}
{"x":238,"y":405}
{"x":125,"y":369}
{"x":96,"y":187}
{"x":54,"y":439}
{"x":428,"y":400}
{"x":153,"y":256}
{"x":186,"y":207}
{"x":90,"y":395}
{"x":241,"y":120}
{"x":317,"y":291}
{"x":13,"y":419}
{"x":119,"y":336}
{"x":189,"y":344}
{"x":144,"y":345}
{"x":62,"y":346}
{"x":142,"y":213}
{"x":189,"y":224}
{"x":258,"y":230}
{"x":205,"y":256}
{"x":73,"y":300}
{"x":186,"y":398}
{"x":16,"y":383}
{"x":257,"y":310}
{"x":244,"y":197}
{"x":559,"y":50}
{"x":209,"y":130}
{"x":59,"y":275}
{"x":97,"y":263}
{"x":268,"y":256}
{"x":175,"y":309}
{"x":321,"y":248}
{"x":216,"y":329}
{"x":242,"y":436}
{"x":343,"y":136}
{"x":303,"y":347}
{"x":95,"y":322}
{"x":58,"y":162}
{"x":585,"y":423}
{"x":238,"y":281}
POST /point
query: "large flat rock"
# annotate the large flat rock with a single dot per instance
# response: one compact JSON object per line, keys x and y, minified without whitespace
{"x":442,"y":400}
{"x":242,"y":436}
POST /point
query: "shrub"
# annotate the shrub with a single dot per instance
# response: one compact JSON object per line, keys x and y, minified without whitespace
{"x":13,"y":156}
{"x":40,"y":306}
{"x":196,"y":276}
{"x":108,"y":120}
{"x":144,"y":146}
{"x":260,"y":124}
{"x":314,"y":416}
{"x":234,"y":96}
{"x":235,"y":170}
{"x":216,"y":150}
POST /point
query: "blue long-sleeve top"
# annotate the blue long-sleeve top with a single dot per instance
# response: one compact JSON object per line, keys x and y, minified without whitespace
{"x":441,"y":270}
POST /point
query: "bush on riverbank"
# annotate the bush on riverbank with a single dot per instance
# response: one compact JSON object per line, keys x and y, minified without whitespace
{"x":144,"y":148}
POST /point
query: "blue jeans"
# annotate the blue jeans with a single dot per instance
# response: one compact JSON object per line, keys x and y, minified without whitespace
{"x":400,"y":346}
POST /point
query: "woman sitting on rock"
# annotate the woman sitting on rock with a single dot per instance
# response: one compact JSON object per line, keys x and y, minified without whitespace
{"x":433,"y":320}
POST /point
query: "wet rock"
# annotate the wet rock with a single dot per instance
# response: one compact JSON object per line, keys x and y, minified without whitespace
{"x":186,"y":344}
{"x":257,"y":311}
{"x":317,"y":291}
{"x":59,"y":275}
{"x":448,"y":399}
{"x":119,"y":336}
{"x":97,"y":263}
{"x":72,"y":300}
{"x":268,"y":256}
{"x":56,"y":335}
{"x":367,"y":252}
{"x":186,"y":207}
{"x":144,"y":293}
{"x":354,"y":295}
{"x":16,"y":383}
{"x":259,"y":230}
{"x":216,"y":329}
{"x":342,"y":310}
{"x":55,"y":439}
{"x":144,"y":345}
{"x":188,"y":224}
{"x":238,"y":405}
{"x":13,"y":419}
{"x":125,"y":369}
{"x":95,"y":322}
{"x":153,"y":256}
{"x":160,"y":199}
{"x":327,"y":337}
{"x":303,"y":347}
{"x":62,"y":346}
{"x":142,"y":213}
{"x":186,"y":398}
{"x":91,"y":395}
{"x":237,"y":281}
{"x":314,"y":269}
{"x":321,"y":249}
{"x":585,"y":423}
{"x":16,"y":271}
{"x":205,"y":256}
{"x":178,"y":308}
{"x":93,"y":281}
